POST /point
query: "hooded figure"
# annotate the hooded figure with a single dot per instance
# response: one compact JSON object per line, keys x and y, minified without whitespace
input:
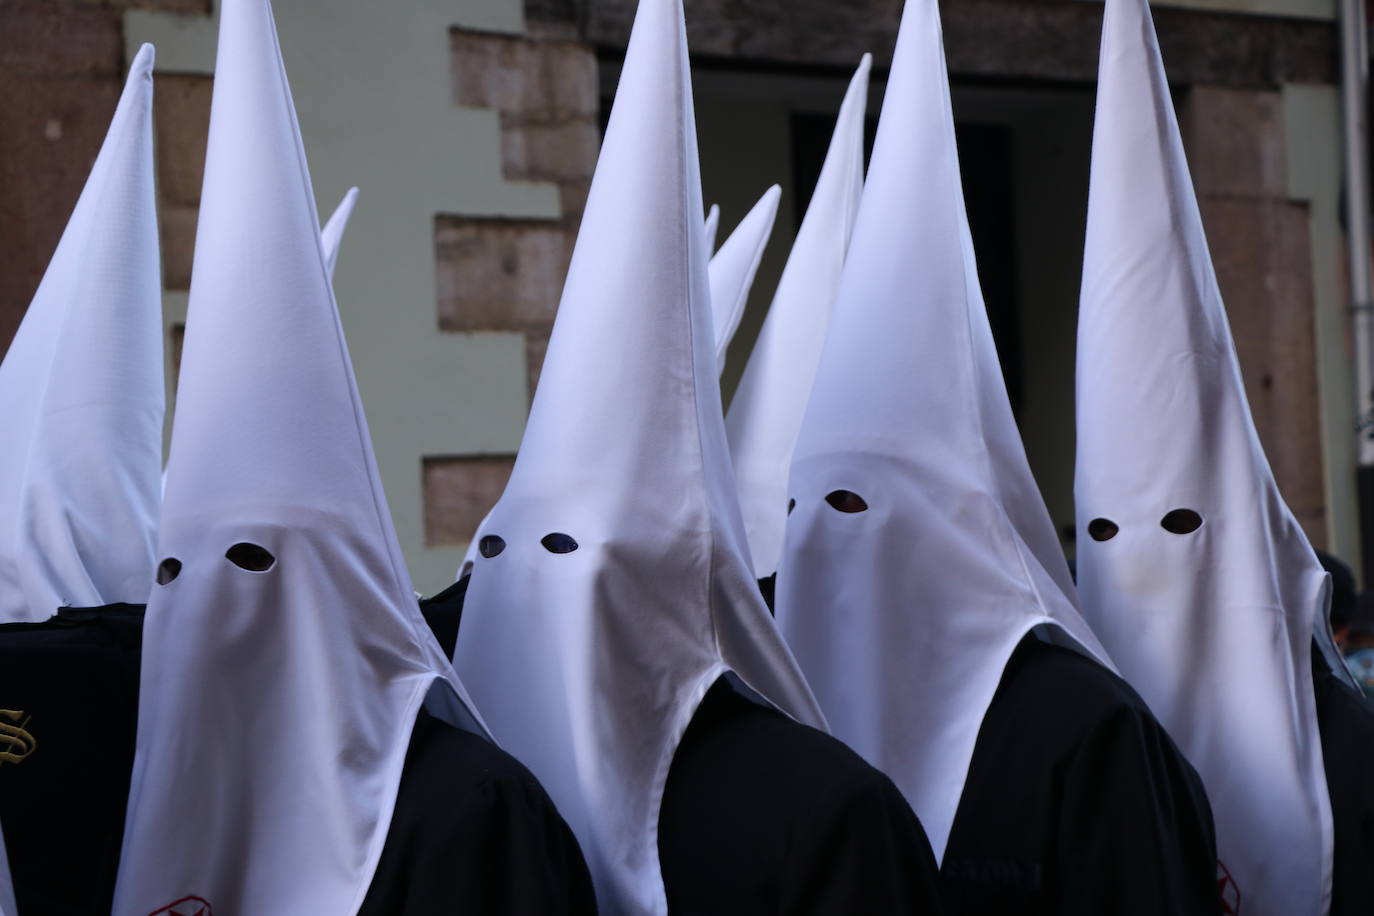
{"x":285,"y":657}
{"x":1191,"y":567}
{"x":922,"y":586}
{"x":613,"y":590}
{"x":733,"y":268}
{"x":331,"y":236}
{"x":767,"y":410}
{"x":81,"y":406}
{"x":81,"y":392}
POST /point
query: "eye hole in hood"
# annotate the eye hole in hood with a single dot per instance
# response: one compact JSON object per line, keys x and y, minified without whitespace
{"x":1181,"y":521}
{"x":558,"y":543}
{"x":490,"y":546}
{"x":1102,"y":529}
{"x":250,"y":557}
{"x":846,"y":501}
{"x":168,"y":570}
{"x":791,"y":504}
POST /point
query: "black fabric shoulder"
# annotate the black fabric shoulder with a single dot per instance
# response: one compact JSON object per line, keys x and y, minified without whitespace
{"x":473,"y":831}
{"x":444,"y":613}
{"x":69,"y":691}
{"x":1345,"y":720}
{"x":763,"y":815}
{"x":1077,"y":801}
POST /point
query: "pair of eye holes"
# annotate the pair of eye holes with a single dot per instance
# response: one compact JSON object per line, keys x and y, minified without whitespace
{"x":840,"y":500}
{"x":1179,"y":521}
{"x":491,"y":545}
{"x":243,"y":555}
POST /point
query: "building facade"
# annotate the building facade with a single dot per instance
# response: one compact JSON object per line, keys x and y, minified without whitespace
{"x":472,"y":127}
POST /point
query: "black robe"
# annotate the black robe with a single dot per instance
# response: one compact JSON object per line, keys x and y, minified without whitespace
{"x":1077,"y":802}
{"x":472,"y":832}
{"x":70,"y":685}
{"x":762,"y":815}
{"x":1346,"y":722}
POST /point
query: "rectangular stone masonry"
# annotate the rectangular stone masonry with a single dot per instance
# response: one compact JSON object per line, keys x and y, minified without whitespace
{"x":1261,"y":251}
{"x":458,"y":494}
{"x":181,"y":119}
{"x":543,"y":79}
{"x":499,"y":274}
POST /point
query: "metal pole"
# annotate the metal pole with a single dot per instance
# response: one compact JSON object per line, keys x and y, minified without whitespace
{"x":1354,"y":112}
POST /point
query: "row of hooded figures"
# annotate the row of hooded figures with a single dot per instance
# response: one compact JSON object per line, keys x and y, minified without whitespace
{"x":222,"y":696}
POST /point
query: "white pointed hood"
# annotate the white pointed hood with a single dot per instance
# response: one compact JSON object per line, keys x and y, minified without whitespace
{"x":733,"y":269}
{"x":767,"y":410}
{"x":331,"y":236}
{"x":7,"y":905}
{"x":590,"y":662}
{"x":277,"y":700}
{"x":81,"y":392}
{"x":904,"y":614}
{"x":712,"y":228}
{"x":1214,"y":626}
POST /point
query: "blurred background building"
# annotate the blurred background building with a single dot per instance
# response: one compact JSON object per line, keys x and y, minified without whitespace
{"x":472,"y":128}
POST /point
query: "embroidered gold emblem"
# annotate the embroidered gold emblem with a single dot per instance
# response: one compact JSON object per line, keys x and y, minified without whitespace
{"x":16,"y":744}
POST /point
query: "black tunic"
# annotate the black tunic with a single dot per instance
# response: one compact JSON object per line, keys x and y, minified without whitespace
{"x":1077,"y":802}
{"x":762,"y":815}
{"x":1346,"y":721}
{"x":472,"y":832}
{"x":71,"y":685}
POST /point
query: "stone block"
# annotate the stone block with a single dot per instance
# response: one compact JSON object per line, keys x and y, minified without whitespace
{"x":192,"y":7}
{"x":499,"y":274}
{"x":533,"y":78}
{"x":563,"y":150}
{"x":58,"y":40}
{"x":458,"y":494}
{"x":181,"y":113}
{"x":178,"y":245}
{"x":1261,"y":250}
{"x":1235,"y":141}
{"x":50,"y":133}
{"x":536,"y":348}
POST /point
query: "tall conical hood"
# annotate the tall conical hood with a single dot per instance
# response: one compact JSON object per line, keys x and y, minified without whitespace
{"x":284,"y":655}
{"x":767,"y":410}
{"x":613,"y":587}
{"x":919,"y":553}
{"x":733,"y":268}
{"x":81,"y":392}
{"x":331,"y":236}
{"x":1191,"y":568}
{"x":712,"y":228}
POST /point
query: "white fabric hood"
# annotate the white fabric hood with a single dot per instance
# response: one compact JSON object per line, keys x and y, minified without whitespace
{"x":331,"y":236}
{"x":904,"y":615}
{"x":768,"y":406}
{"x":712,"y":228}
{"x":733,"y":268}
{"x":81,"y":392}
{"x":278,"y":699}
{"x":1212,"y":626}
{"x":589,"y":662}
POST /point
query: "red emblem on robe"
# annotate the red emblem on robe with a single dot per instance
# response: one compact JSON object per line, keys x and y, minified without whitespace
{"x":1226,"y":887}
{"x":186,"y":906}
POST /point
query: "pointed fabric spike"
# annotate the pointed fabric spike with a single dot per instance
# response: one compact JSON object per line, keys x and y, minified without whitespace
{"x":331,"y":236}
{"x":612,"y":586}
{"x":767,"y":410}
{"x":81,"y":392}
{"x":7,"y":905}
{"x":904,"y":603}
{"x":284,"y":655}
{"x":1212,"y":624}
{"x":712,"y":228}
{"x":734,"y":266}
